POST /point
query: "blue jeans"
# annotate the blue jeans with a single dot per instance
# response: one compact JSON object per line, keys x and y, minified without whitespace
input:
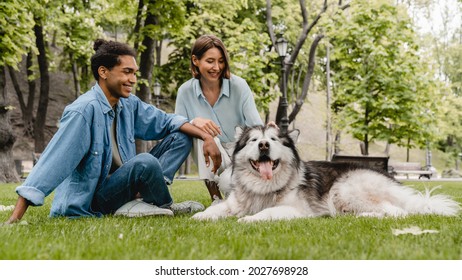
{"x":147,"y":174}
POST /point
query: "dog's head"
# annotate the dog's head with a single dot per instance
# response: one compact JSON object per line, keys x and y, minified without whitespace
{"x":264,"y":152}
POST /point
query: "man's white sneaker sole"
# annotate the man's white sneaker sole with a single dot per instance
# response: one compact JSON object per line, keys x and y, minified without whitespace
{"x":138,"y":208}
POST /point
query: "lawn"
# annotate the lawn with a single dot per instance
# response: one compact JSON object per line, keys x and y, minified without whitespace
{"x":181,"y":238}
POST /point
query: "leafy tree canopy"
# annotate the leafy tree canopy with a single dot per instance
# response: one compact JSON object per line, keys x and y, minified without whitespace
{"x":16,"y":23}
{"x":382,"y":91}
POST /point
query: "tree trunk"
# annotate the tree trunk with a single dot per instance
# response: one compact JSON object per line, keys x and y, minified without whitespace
{"x":158,"y":48}
{"x":328,"y":114}
{"x":27,"y":109}
{"x":387,"y":149}
{"x":136,"y":30}
{"x":337,"y":142}
{"x":366,"y":145}
{"x":8,"y":172}
{"x":75,"y":76}
{"x":408,"y":150}
{"x":146,"y":67}
{"x":307,"y":80}
{"x":388,"y":145}
{"x":39,"y":125}
{"x":147,"y":63}
{"x":366,"y":136}
{"x":17,"y":88}
{"x":28,"y":115}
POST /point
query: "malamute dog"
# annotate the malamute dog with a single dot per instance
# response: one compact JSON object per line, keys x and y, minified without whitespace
{"x":270,"y":182}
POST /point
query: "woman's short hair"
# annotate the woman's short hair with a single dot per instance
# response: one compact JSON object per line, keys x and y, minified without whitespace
{"x":107,"y":54}
{"x":203,"y":44}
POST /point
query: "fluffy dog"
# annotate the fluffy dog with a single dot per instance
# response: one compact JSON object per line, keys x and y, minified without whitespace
{"x":269,"y":181}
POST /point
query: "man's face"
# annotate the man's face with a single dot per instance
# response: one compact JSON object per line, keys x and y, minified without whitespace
{"x":120,"y":80}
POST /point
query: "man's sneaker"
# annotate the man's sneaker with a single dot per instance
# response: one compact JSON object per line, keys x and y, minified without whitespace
{"x":139,"y":208}
{"x":187,"y":207}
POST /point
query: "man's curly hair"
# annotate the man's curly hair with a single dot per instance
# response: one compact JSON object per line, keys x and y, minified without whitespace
{"x":107,"y":54}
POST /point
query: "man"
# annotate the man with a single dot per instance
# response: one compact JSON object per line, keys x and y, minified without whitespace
{"x":91,"y":161}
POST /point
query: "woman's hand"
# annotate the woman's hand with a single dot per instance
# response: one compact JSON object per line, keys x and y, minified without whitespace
{"x":208,"y":126}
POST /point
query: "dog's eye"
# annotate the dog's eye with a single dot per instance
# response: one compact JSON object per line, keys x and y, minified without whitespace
{"x":273,"y":138}
{"x":253,"y":139}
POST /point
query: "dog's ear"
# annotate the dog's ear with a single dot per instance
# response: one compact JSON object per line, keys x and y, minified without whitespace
{"x":237,"y":132}
{"x":272,"y":124}
{"x":294,"y":135}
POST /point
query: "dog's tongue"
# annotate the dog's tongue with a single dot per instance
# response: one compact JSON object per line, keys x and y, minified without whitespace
{"x":266,"y":170}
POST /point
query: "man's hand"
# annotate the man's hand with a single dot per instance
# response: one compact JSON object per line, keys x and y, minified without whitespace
{"x":208,"y":126}
{"x":19,"y":210}
{"x":211,"y":150}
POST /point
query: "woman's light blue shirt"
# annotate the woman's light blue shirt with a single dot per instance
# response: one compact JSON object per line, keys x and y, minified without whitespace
{"x":78,"y":158}
{"x":235,"y":105}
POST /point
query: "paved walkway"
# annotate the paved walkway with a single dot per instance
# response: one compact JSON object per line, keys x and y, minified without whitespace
{"x":437,"y":179}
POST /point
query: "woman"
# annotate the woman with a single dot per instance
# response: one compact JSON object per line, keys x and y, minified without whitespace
{"x":216,"y":102}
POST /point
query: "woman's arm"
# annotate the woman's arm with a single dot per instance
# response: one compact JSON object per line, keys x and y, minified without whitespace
{"x":206,"y":125}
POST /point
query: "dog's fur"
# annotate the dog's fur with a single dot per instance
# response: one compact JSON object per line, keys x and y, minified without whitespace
{"x":270,"y":182}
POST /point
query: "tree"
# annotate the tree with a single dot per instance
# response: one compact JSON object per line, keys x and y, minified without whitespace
{"x":297,"y":29}
{"x":376,"y":68}
{"x":441,"y":46}
{"x":161,"y":19}
{"x":75,"y":30}
{"x":15,"y":31}
{"x":43,"y":63}
{"x":451,"y":127}
{"x":306,"y":27}
{"x":27,"y":108}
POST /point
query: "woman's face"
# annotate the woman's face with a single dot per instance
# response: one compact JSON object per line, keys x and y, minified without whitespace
{"x":210,"y":65}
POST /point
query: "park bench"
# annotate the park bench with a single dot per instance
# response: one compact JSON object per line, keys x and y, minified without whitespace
{"x":375,"y":162}
{"x":24,"y":167}
{"x":18,"y":164}
{"x":409,"y":168}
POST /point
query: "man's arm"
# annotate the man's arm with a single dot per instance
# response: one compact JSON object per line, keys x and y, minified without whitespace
{"x":210,"y":147}
{"x":21,"y":206}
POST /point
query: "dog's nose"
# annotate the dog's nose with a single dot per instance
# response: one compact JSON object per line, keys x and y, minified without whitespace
{"x":263,"y":145}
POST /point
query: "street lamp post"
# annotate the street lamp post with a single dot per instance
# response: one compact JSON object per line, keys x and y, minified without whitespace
{"x":428,"y":151}
{"x":157,"y":87}
{"x":281,"y":45}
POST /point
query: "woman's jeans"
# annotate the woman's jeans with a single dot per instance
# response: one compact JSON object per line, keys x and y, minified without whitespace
{"x":147,"y":174}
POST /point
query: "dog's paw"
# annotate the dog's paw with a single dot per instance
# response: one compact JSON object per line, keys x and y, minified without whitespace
{"x":370,"y":215}
{"x":200,"y":216}
{"x":250,"y":219}
{"x":204,"y":216}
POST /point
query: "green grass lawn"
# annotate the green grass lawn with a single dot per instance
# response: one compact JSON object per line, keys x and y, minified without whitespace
{"x":179,"y":237}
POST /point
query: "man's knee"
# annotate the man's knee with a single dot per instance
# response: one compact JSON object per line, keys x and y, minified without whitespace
{"x":183,"y":139}
{"x":147,"y":161}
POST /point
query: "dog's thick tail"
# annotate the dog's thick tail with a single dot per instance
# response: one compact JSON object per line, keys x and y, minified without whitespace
{"x":426,"y":203}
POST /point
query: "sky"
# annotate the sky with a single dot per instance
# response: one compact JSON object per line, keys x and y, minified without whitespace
{"x":434,"y":23}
